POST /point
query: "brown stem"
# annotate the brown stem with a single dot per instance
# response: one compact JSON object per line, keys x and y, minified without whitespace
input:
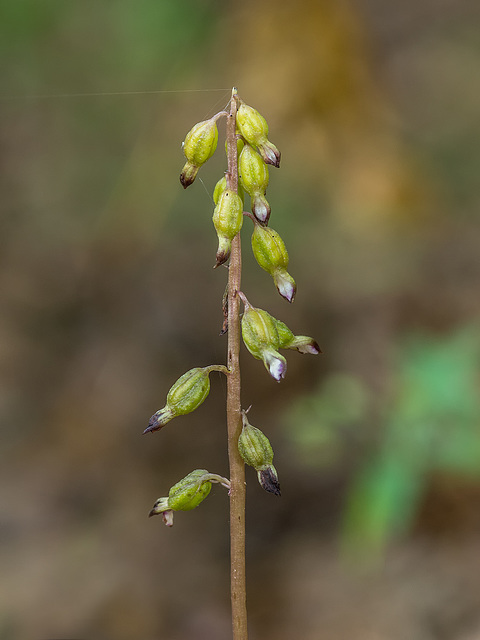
{"x":234,"y":416}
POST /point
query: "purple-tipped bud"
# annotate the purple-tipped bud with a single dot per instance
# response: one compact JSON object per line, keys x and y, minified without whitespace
{"x":269,"y":152}
{"x":268,"y":480}
{"x":285,"y":284}
{"x":160,"y":419}
{"x":260,"y":208}
{"x":260,"y":336}
{"x":188,"y":175}
{"x":275,"y":363}
{"x":223,"y":252}
{"x":303,"y":344}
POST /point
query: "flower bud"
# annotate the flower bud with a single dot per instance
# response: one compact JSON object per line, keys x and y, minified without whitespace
{"x":188,"y":393}
{"x":187,"y":494}
{"x":271,"y":254}
{"x":303,"y":344}
{"x":263,"y":335}
{"x":199,"y":145}
{"x":260,"y":207}
{"x":260,"y":336}
{"x":253,"y":127}
{"x":256,"y":451}
{"x":228,"y":220}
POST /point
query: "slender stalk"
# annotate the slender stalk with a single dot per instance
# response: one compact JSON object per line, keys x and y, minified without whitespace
{"x":234,"y":417}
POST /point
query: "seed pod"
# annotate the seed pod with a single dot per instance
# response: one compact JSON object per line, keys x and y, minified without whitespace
{"x":228,"y":220}
{"x":252,"y":171}
{"x":199,"y":145}
{"x":221,"y":186}
{"x":187,"y":494}
{"x":253,"y":127}
{"x":260,"y":336}
{"x":190,"y":491}
{"x":188,"y":393}
{"x":256,"y":451}
{"x":253,"y":174}
{"x":271,"y":254}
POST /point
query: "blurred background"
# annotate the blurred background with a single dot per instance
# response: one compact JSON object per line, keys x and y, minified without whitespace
{"x":108,"y":295}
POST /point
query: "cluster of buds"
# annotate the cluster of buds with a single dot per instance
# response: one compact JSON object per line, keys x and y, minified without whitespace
{"x":263,"y":334}
{"x":188,"y":393}
{"x":187,"y":494}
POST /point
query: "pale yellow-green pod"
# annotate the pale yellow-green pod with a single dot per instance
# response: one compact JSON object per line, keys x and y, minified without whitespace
{"x":253,"y":171}
{"x":269,"y":249}
{"x":271,"y":254}
{"x":228,"y":220}
{"x":199,"y":145}
{"x":253,"y":127}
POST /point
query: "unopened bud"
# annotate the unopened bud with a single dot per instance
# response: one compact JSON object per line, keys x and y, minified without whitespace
{"x":228,"y":220}
{"x":256,"y":451}
{"x":187,"y":494}
{"x":188,"y":393}
{"x":253,"y":127}
{"x":303,"y":344}
{"x":271,"y":254}
{"x":260,"y":335}
{"x":199,"y":145}
{"x":261,"y":208}
{"x":263,"y":335}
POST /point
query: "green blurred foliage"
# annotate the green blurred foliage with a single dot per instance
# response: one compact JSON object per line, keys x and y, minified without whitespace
{"x":431,"y":425}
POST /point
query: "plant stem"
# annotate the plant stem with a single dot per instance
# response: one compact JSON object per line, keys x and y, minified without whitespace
{"x":234,"y":417}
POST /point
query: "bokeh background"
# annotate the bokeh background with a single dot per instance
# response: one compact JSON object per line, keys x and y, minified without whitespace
{"x":108,"y":295}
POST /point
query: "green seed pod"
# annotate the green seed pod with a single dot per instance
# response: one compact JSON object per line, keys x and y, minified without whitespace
{"x":253,"y":171}
{"x":256,"y":451}
{"x":260,"y":336}
{"x":199,"y":145}
{"x":188,"y":393}
{"x":271,"y":254}
{"x":190,"y":491}
{"x":228,"y":220}
{"x":187,"y":494}
{"x":253,"y":127}
{"x":221,"y":186}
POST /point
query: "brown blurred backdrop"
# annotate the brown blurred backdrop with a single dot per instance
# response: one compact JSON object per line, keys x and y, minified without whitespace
{"x":108,"y":295}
